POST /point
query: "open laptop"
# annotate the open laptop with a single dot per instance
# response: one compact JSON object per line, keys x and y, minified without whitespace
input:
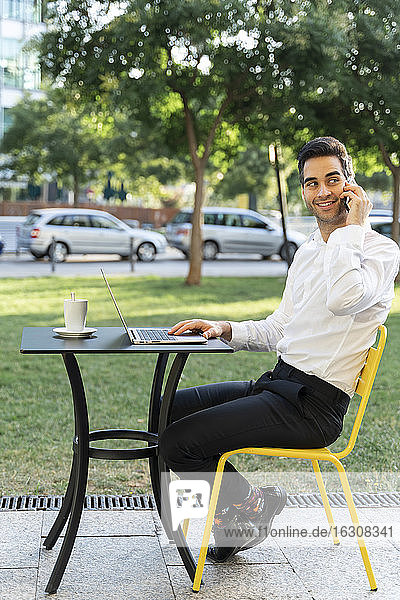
{"x":153,"y":335}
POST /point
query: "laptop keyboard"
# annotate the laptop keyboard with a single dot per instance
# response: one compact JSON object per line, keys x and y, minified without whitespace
{"x":155,"y":334}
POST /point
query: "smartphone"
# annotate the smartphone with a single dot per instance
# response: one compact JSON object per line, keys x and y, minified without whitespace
{"x":345,"y":201}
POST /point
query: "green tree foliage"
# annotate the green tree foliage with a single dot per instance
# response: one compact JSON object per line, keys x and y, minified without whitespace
{"x":61,"y":136}
{"x":137,"y":152}
{"x":378,"y":181}
{"x":203,"y":75}
{"x":359,"y":99}
{"x":249,"y":174}
{"x":372,"y":80}
{"x":195,"y":72}
{"x":54,"y":136}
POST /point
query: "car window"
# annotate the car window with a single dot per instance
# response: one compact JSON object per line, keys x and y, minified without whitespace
{"x":76,"y":221}
{"x":220,"y":219}
{"x":104,"y":222}
{"x":209,"y":218}
{"x":31,"y":219}
{"x":133,"y":223}
{"x":182,"y":217}
{"x":248,"y":221}
{"x":383,"y":228}
{"x":232,"y":220}
{"x":56,"y":220}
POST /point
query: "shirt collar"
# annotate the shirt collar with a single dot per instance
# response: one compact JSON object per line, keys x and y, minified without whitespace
{"x":316,"y":236}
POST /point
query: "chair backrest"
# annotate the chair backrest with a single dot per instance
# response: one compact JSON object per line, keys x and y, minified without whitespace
{"x":364,"y":386}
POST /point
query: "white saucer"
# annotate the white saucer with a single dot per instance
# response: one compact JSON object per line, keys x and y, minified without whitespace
{"x":64,"y":332}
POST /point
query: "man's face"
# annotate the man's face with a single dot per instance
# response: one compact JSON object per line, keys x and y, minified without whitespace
{"x":323,"y":184}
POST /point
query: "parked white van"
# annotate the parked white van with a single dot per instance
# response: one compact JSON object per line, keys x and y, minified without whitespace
{"x":232,"y":230}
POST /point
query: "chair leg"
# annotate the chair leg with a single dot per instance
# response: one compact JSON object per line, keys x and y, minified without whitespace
{"x":207,"y":529}
{"x":185,"y":527}
{"x":327,"y":506}
{"x":354,"y":517}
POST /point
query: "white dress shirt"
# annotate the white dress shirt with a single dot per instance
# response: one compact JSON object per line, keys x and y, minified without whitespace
{"x":336,"y":295}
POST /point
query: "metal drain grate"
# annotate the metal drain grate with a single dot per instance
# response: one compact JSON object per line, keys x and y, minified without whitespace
{"x":140,"y":502}
{"x":146,"y":502}
{"x":361,"y":500}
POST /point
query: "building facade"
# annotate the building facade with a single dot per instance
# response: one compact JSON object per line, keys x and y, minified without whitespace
{"x":19,"y":69}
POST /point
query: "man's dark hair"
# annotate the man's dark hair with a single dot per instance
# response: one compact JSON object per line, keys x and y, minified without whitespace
{"x":325,"y":146}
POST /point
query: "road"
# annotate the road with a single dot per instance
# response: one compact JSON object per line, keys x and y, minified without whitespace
{"x":171,"y":264}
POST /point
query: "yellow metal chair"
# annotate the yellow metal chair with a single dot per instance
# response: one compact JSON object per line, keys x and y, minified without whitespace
{"x":364,"y":386}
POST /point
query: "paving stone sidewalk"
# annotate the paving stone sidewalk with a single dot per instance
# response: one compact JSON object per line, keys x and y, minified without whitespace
{"x":125,"y":555}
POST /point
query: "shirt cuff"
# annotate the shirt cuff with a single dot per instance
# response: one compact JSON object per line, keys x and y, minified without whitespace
{"x":239,"y":335}
{"x":352,"y":235}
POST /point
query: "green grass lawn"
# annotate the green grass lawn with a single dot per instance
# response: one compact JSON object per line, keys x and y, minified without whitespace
{"x":36,"y":425}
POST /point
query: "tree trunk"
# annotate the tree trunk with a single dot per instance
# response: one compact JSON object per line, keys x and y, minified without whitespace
{"x":199,"y":164}
{"x":396,"y":204}
{"x":45,"y":193}
{"x":76,"y":191}
{"x":395,"y":170}
{"x":196,"y":243}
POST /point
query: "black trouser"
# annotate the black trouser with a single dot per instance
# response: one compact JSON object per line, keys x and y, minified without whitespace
{"x":285,"y":408}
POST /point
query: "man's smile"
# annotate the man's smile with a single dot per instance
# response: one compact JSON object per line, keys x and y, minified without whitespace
{"x":325,"y":203}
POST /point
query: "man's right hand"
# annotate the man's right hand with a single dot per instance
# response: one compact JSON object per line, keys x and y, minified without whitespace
{"x":209,"y":329}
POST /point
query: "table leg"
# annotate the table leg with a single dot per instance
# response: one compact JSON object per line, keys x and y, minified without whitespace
{"x":154,"y":413}
{"x":81,"y":470}
{"x":65,"y":510}
{"x":163,"y":471}
{"x":162,"y":476}
{"x":170,"y":389}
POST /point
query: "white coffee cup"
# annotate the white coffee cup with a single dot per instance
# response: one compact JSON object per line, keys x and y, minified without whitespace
{"x":75,"y":312}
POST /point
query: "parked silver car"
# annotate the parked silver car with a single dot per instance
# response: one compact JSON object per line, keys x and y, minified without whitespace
{"x":382,"y":224}
{"x":85,"y":231}
{"x":232,"y":230}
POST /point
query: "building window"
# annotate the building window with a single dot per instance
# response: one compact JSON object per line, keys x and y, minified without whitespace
{"x":13,"y":9}
{"x":22,"y":10}
{"x":8,"y":120}
{"x":19,"y":68}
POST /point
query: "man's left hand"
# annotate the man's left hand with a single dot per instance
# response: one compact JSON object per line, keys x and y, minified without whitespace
{"x":358,"y":202}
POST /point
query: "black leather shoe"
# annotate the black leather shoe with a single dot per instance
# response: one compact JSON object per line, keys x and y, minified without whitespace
{"x":275,"y":498}
{"x":237,"y":531}
{"x":247,"y":534}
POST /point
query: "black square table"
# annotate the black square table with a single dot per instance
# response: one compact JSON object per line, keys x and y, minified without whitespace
{"x":110,"y":340}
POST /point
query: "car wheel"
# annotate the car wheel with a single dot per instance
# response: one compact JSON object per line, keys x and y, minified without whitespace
{"x":146,"y":252}
{"x":291,"y":249}
{"x":60,"y":252}
{"x":210,"y":250}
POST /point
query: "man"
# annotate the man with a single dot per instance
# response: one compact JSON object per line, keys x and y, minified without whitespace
{"x":339,"y":289}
